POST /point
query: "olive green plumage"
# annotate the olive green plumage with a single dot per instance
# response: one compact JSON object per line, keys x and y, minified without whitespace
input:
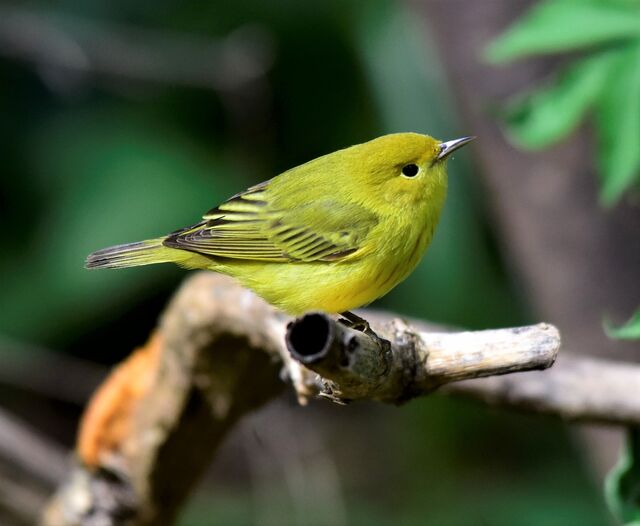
{"x":332,"y":234}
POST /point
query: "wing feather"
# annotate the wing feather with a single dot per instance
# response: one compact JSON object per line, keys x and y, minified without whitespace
{"x":250,"y":226}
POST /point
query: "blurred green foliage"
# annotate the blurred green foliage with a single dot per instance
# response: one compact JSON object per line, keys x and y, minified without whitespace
{"x":107,"y":162}
{"x":604,"y":79}
{"x":628,"y":331}
{"x":622,"y":486}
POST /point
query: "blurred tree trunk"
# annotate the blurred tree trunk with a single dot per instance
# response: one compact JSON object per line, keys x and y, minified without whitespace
{"x":577,"y":261}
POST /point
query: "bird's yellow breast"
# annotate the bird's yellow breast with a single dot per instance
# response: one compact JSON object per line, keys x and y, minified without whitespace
{"x":390,"y":253}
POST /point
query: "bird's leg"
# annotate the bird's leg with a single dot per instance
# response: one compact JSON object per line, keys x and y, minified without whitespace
{"x":355,"y":322}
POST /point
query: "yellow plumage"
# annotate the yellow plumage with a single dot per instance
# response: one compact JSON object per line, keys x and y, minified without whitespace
{"x":332,"y":234}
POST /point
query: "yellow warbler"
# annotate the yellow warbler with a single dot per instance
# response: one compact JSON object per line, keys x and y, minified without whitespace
{"x":332,"y":234}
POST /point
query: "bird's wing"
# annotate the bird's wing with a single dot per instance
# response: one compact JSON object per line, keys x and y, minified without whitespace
{"x":252,"y":226}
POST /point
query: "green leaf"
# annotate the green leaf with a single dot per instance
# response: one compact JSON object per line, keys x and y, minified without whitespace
{"x":628,"y":331}
{"x":562,"y":25}
{"x":622,"y":486}
{"x":548,"y":115}
{"x":618,"y":126}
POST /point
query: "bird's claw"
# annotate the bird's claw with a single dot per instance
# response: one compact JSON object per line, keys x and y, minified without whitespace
{"x":355,"y":322}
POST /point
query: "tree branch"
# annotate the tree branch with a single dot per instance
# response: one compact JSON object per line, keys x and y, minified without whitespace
{"x":576,"y":388}
{"x":398,"y":362}
{"x":220,"y":352}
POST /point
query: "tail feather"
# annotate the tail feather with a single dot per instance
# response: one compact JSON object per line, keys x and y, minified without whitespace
{"x":131,"y":255}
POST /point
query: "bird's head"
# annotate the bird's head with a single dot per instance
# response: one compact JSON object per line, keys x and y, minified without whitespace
{"x":404,"y":168}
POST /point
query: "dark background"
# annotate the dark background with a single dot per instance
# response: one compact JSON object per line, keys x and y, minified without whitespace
{"x":121,"y":121}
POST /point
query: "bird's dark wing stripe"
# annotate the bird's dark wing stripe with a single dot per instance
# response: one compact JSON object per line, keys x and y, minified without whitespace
{"x":250,"y":226}
{"x":339,"y":255}
{"x":250,"y":197}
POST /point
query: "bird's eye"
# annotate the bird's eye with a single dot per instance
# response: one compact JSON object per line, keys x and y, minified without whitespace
{"x":410,"y":170}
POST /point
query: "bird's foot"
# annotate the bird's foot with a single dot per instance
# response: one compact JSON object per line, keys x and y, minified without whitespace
{"x":355,"y":322}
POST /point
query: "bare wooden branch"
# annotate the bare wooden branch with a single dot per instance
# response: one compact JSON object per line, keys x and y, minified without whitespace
{"x":152,"y":428}
{"x":220,"y":352}
{"x":578,"y":389}
{"x":398,"y":362}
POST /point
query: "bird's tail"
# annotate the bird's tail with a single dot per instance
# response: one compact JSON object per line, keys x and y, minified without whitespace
{"x":132,"y":255}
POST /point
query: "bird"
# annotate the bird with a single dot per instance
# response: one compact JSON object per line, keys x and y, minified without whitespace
{"x":331,"y":235}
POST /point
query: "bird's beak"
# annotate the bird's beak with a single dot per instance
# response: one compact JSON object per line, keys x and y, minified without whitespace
{"x":448,"y":147}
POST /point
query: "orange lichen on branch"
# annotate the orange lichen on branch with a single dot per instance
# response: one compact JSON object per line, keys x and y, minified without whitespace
{"x":107,"y":420}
